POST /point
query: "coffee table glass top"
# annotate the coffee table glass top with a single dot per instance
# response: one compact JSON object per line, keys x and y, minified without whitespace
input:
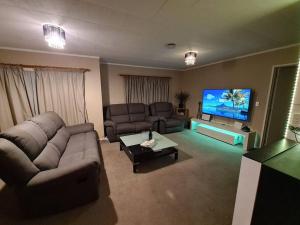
{"x":161,"y":142}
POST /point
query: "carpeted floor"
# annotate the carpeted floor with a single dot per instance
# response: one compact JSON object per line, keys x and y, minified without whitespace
{"x":197,"y":189}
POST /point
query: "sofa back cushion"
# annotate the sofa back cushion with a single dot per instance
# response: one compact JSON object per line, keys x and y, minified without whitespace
{"x":28,"y":136}
{"x":49,"y":122}
{"x":162,"y":109}
{"x":118,"y":113}
{"x":51,"y":154}
{"x":15,"y":167}
{"x":137,"y":112}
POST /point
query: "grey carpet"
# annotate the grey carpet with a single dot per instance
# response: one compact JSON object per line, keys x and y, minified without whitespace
{"x":197,"y":189}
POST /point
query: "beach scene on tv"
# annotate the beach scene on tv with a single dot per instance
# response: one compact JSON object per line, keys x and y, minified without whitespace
{"x":230,"y":103}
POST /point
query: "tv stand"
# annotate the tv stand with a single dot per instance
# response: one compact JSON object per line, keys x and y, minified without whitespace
{"x":224,"y":132}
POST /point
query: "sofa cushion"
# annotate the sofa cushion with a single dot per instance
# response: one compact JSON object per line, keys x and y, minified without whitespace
{"x":28,"y":136}
{"x":120,"y":119}
{"x":142,"y":126}
{"x":137,"y":112}
{"x":123,"y":128}
{"x":49,"y":157}
{"x":163,"y":106}
{"x":15,"y":166}
{"x":162,"y":109}
{"x":80,"y":146}
{"x":50,"y":122}
{"x":173,"y":122}
{"x":118,"y":109}
{"x":118,"y":113}
{"x":61,"y":139}
{"x":51,"y":154}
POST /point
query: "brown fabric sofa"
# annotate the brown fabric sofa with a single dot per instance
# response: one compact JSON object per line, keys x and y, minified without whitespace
{"x":168,"y":120}
{"x":124,"y":119}
{"x":52,"y":167}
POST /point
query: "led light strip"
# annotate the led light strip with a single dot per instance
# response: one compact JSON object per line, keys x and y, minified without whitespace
{"x":292,"y":102}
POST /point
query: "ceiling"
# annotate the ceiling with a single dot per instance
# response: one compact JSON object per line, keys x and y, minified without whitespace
{"x":135,"y":31}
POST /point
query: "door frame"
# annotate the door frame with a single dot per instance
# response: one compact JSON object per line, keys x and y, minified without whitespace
{"x":268,"y":103}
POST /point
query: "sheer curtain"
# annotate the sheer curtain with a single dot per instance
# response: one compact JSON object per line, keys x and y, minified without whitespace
{"x":62,"y":92}
{"x":145,"y":89}
{"x":24,"y":94}
{"x":14,"y":101}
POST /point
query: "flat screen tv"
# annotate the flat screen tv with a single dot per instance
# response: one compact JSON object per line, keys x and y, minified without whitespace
{"x":230,"y":103}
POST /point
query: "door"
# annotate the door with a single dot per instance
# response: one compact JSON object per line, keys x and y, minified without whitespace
{"x":280,"y":103}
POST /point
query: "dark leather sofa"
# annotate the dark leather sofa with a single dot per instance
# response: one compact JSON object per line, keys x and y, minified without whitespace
{"x":168,"y":120}
{"x":51,"y":166}
{"x":130,"y":118}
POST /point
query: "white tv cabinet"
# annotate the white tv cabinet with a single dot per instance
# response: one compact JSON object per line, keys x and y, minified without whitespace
{"x":224,"y":132}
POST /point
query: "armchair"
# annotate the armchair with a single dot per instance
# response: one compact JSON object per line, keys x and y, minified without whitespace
{"x":168,"y":120}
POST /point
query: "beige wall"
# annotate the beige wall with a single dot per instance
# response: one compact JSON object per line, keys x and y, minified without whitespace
{"x":113,"y":85}
{"x":249,"y":72}
{"x":93,"y":78}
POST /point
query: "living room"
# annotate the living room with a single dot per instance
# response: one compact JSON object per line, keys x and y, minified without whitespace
{"x":113,"y":122}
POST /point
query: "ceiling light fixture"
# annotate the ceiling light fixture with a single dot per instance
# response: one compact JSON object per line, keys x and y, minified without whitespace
{"x":55,"y":36}
{"x":171,"y":45}
{"x":190,"y":58}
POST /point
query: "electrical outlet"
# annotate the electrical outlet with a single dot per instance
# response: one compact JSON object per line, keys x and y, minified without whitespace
{"x":256,"y":104}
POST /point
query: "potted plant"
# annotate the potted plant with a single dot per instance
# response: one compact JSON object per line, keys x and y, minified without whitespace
{"x":182,"y":98}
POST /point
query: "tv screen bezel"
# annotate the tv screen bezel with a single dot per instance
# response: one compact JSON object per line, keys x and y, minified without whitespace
{"x":250,"y":101}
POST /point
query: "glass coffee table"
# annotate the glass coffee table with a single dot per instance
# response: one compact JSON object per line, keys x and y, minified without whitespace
{"x":137,"y":154}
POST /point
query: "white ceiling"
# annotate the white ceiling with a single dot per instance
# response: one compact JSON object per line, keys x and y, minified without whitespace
{"x":136,"y":31}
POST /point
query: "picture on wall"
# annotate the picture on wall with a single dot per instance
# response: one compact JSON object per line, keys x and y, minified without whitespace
{"x":230,"y":103}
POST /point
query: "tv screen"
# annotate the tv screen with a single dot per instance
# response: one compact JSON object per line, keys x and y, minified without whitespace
{"x":230,"y":103}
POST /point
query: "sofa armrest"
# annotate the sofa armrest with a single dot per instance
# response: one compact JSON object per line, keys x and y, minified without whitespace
{"x":152,"y":119}
{"x":80,"y":128}
{"x":161,"y":118}
{"x":64,"y":175}
{"x":179,"y":117}
{"x":109,"y":123}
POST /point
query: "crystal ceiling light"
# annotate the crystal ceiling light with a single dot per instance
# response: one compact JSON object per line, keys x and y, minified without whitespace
{"x":55,"y":36}
{"x":190,"y":58}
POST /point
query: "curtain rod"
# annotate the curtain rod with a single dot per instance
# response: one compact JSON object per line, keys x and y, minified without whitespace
{"x":126,"y":75}
{"x":46,"y":67}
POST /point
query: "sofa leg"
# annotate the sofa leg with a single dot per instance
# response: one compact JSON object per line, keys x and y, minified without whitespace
{"x":176,"y":156}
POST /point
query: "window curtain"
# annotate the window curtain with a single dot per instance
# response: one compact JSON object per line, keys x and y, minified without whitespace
{"x":62,"y":92}
{"x":14,"y":100}
{"x":24,"y":94}
{"x":144,"y":89}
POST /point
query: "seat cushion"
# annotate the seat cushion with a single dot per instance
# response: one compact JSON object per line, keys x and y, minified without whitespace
{"x":142,"y":126}
{"x":123,"y":128}
{"x":15,"y":167}
{"x":80,"y":146}
{"x":173,"y":123}
{"x":49,"y":122}
{"x":137,"y":112}
{"x":28,"y":136}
